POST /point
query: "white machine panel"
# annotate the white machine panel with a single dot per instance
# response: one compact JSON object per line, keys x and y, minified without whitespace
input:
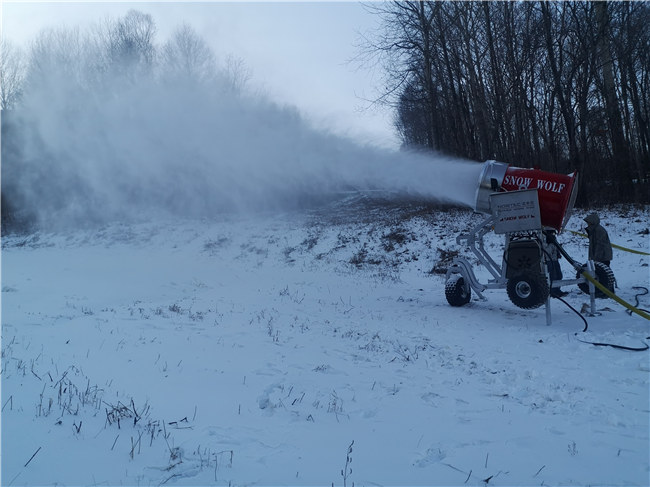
{"x":515,"y":211}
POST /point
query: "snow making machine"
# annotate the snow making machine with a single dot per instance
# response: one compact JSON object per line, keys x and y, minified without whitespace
{"x":528,"y":207}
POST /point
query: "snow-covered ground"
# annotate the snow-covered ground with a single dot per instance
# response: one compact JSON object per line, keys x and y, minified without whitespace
{"x":311,"y":348}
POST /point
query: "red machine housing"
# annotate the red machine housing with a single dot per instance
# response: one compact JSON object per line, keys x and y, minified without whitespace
{"x":556,"y":192}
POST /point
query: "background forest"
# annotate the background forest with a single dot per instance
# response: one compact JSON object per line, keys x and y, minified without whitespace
{"x":562,"y":86}
{"x":559,"y":85}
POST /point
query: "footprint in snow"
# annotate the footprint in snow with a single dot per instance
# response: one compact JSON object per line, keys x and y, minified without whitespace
{"x":431,"y":456}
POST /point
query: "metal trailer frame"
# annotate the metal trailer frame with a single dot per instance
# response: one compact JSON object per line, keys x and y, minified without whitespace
{"x":474,"y":241}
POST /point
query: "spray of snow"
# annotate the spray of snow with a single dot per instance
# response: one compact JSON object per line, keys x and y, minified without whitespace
{"x":192,"y":151}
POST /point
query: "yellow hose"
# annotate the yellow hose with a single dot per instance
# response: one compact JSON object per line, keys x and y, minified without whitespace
{"x":610,"y":294}
{"x":625,"y":249}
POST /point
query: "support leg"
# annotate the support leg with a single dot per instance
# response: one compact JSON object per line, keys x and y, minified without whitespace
{"x":591,"y":269}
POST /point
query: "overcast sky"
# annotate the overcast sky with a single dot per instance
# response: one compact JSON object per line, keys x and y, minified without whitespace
{"x":297,"y":52}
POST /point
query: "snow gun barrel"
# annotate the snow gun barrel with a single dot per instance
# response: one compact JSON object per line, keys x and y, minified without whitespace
{"x":556,"y":192}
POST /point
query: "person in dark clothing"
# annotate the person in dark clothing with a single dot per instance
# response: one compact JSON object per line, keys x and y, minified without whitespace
{"x":600,"y":248}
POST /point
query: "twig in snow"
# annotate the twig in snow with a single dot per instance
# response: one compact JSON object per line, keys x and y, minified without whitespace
{"x":347,"y":470}
{"x":136,"y":416}
{"x":175,"y":423}
{"x":10,"y":400}
{"x":468,"y":476}
{"x":543,"y":466}
{"x":136,"y":443}
{"x":168,"y":479}
{"x":32,"y":457}
{"x":451,"y":466}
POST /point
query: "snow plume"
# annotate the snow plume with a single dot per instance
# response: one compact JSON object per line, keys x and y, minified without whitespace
{"x":148,"y":146}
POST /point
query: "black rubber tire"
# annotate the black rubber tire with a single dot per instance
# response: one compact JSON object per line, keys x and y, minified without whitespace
{"x":456,"y":292}
{"x":528,"y":290}
{"x":604,"y":275}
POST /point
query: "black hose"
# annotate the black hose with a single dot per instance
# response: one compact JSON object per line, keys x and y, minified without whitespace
{"x":621,"y":347}
{"x":636,"y":299}
{"x":601,"y":344}
{"x":553,"y":240}
{"x":576,"y":312}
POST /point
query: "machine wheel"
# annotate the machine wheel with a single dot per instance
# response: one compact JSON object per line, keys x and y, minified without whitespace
{"x":604,"y":276}
{"x":456,"y":291}
{"x":528,"y":290}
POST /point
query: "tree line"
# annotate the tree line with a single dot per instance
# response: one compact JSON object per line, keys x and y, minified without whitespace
{"x":65,"y":70}
{"x":562,"y":86}
{"x":107,"y":56}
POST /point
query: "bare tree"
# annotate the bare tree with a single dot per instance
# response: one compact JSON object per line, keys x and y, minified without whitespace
{"x":620,"y":147}
{"x":186,"y":55}
{"x":405,"y":49}
{"x":237,"y":73}
{"x":127,"y":44}
{"x":55,"y":57}
{"x":12,"y":73}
